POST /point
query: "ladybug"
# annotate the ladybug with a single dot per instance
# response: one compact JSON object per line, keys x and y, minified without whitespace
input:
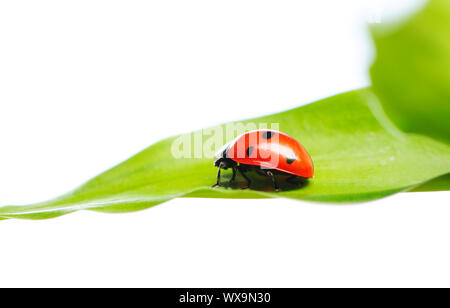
{"x":269,"y":153}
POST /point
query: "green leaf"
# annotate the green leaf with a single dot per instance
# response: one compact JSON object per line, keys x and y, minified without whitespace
{"x":358,"y":155}
{"x":438,"y":184}
{"x":411,"y":73}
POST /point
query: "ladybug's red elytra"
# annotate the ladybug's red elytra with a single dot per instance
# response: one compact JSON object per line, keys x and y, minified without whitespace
{"x":268,"y":152}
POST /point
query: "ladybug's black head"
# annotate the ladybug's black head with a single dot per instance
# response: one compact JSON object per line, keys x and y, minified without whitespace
{"x":222,"y":160}
{"x":217,"y":162}
{"x":220,"y":155}
{"x":224,"y":163}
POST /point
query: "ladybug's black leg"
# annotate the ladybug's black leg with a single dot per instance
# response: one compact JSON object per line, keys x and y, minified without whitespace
{"x":233,"y":176}
{"x":218,"y":176}
{"x":274,"y":180}
{"x":242,"y":172}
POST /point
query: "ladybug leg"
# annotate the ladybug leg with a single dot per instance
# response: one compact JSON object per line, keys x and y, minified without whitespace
{"x":218,"y":176}
{"x":274,"y":180}
{"x":242,"y":172}
{"x":233,"y":177}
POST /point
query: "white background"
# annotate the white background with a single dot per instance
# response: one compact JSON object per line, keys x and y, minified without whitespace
{"x":86,"y":84}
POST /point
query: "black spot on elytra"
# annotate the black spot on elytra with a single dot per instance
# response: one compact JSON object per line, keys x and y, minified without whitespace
{"x":249,"y":151}
{"x":268,"y":135}
{"x":290,"y":160}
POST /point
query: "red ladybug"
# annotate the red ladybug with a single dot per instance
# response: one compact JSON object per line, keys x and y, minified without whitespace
{"x":268,"y":152}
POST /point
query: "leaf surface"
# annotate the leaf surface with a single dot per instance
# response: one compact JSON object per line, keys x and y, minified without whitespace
{"x":358,"y":156}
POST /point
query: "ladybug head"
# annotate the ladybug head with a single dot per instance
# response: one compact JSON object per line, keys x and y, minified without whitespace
{"x":221,"y":154}
{"x":222,"y":160}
